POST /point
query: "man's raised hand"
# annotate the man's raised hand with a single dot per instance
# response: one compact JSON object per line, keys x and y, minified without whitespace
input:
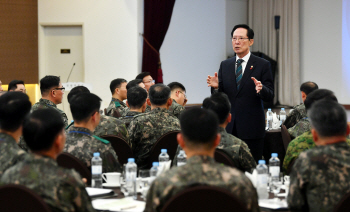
{"x":213,"y":81}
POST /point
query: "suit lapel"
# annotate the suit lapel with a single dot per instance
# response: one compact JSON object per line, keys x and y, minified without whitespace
{"x":247,"y":71}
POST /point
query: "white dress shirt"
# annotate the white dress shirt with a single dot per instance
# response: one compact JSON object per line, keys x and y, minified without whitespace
{"x":244,"y":63}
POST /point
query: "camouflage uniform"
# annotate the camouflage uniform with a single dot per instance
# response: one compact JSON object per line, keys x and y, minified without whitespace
{"x":236,"y":148}
{"x":148,"y":109}
{"x":44,"y":103}
{"x":299,"y":145}
{"x":301,"y":127}
{"x":129,"y":116}
{"x":115,"y":104}
{"x":10,"y":152}
{"x":22,"y":144}
{"x":320,"y":179}
{"x":201,"y":170}
{"x":295,"y":116}
{"x":62,"y":189}
{"x":146,"y":128}
{"x":176,"y":109}
{"x":124,"y":112}
{"x":82,"y":144}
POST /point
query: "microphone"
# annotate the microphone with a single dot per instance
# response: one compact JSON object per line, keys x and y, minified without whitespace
{"x":70,"y":71}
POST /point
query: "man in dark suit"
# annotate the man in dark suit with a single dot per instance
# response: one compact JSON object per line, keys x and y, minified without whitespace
{"x":247,"y":81}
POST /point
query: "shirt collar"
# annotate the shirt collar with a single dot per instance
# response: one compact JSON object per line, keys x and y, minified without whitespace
{"x":245,"y":58}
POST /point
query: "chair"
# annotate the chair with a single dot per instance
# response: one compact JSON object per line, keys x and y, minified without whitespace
{"x":105,"y":110}
{"x":167,"y":141}
{"x":285,"y":137}
{"x":344,"y":204}
{"x":221,"y":156}
{"x":69,"y":161}
{"x":203,"y":198}
{"x":121,"y":148}
{"x":115,"y":114}
{"x":20,"y":198}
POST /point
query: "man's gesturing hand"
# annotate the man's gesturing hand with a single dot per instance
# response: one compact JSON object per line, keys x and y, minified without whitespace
{"x":258,"y":85}
{"x":213,"y":81}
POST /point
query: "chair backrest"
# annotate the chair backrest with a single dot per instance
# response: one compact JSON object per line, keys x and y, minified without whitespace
{"x":167,"y":141}
{"x":204,"y":198}
{"x":285,"y":136}
{"x":221,"y":156}
{"x":115,"y":114}
{"x":20,"y":198}
{"x":344,"y":204}
{"x":105,"y":110}
{"x":121,"y":148}
{"x":69,"y":161}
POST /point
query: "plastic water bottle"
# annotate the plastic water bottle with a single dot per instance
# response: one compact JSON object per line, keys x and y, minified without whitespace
{"x":96,"y":171}
{"x":130,"y":175}
{"x":154,"y":171}
{"x":163,"y":157}
{"x":282,"y":115}
{"x":274,"y":164}
{"x":181,"y":158}
{"x":269,"y":116}
{"x":262,"y":180}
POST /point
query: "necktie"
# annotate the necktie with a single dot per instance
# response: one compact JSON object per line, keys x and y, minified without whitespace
{"x":239,"y":72}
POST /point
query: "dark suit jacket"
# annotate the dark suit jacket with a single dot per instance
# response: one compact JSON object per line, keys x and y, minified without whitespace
{"x":247,"y":108}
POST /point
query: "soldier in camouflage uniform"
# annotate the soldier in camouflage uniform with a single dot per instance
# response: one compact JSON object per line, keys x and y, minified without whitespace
{"x":302,"y":126}
{"x":62,"y":189}
{"x":137,"y":102}
{"x":14,"y":107}
{"x":51,"y":94}
{"x":299,"y":111}
{"x":178,"y":94}
{"x":80,"y":140}
{"x":321,"y":176}
{"x":146,"y":128}
{"x":199,"y":138}
{"x":118,"y":90}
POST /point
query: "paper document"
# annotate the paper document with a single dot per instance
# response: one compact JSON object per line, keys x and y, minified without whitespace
{"x":273,"y":204}
{"x":93,"y":192}
{"x":125,"y":204}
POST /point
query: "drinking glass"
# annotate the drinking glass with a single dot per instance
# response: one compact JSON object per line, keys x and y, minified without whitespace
{"x":145,"y":182}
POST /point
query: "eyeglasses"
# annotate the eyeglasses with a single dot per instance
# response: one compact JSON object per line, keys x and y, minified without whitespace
{"x":183,"y":94}
{"x":62,"y":89}
{"x":239,"y":39}
{"x":150,"y":81}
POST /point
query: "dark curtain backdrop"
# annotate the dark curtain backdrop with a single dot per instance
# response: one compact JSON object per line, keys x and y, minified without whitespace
{"x":157,"y":16}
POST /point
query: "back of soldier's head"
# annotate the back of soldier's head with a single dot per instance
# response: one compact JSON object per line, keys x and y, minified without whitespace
{"x":77,"y":90}
{"x":41,"y":128}
{"x":136,"y":97}
{"x":175,"y":86}
{"x":199,"y":127}
{"x":159,"y":94}
{"x":49,"y":82}
{"x":83,"y":106}
{"x":219,"y":104}
{"x":317,"y":95}
{"x":14,"y":106}
{"x":116,"y":84}
{"x":133,"y":83}
{"x":328,"y":118}
{"x":308,"y":87}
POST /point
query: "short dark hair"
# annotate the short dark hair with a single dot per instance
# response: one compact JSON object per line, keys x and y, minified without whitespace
{"x":49,"y":82}
{"x":133,"y":83}
{"x":318,"y":95}
{"x":199,"y":126}
{"x":176,"y":85}
{"x":14,"y":107}
{"x":219,"y":104}
{"x":77,"y":90}
{"x":159,"y":94}
{"x":13,"y":84}
{"x":250,"y":32}
{"x":83,"y":106}
{"x":136,"y":97}
{"x":142,"y":75}
{"x":41,"y":128}
{"x":308,"y":87}
{"x":116,"y":84}
{"x":328,"y":118}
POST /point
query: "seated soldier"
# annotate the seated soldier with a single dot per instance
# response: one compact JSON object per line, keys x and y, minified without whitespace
{"x":1,"y":89}
{"x":108,"y":125}
{"x":148,"y":81}
{"x":299,"y":112}
{"x":146,"y":128}
{"x":178,"y":94}
{"x":17,"y":85}
{"x":118,"y":89}
{"x":199,"y":137}
{"x":80,"y":139}
{"x":136,"y":102}
{"x":321,"y":176}
{"x":62,"y":189}
{"x":131,"y":84}
{"x":235,"y":147}
{"x":304,"y":141}
{"x":14,"y":107}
